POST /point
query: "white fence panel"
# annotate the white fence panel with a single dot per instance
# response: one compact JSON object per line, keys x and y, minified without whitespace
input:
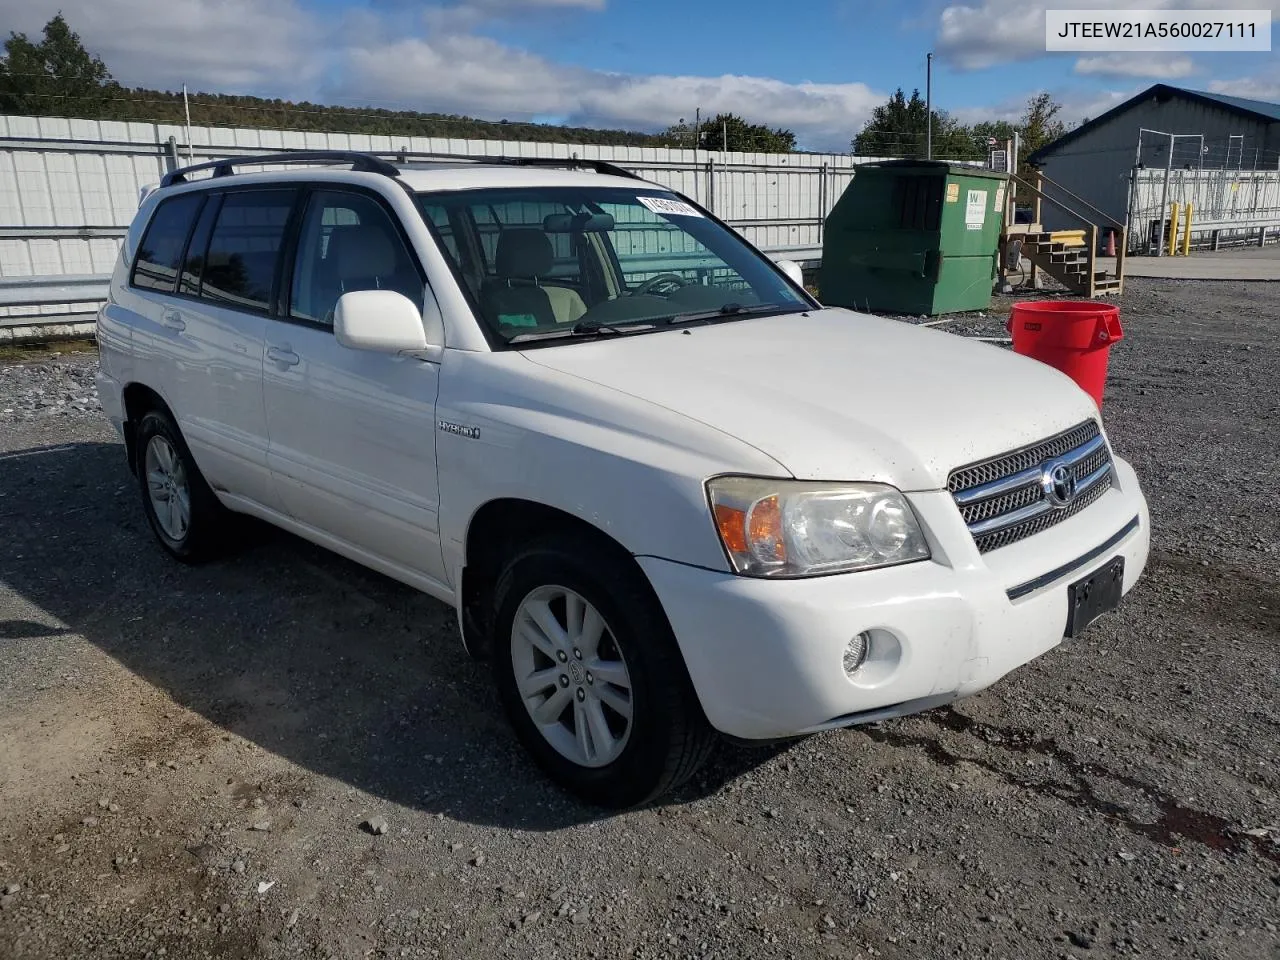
{"x":69,"y":188}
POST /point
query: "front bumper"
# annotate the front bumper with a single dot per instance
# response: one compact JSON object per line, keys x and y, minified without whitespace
{"x":766,"y":656}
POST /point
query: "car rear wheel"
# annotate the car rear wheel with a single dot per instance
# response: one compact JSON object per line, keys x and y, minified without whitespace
{"x":590,"y":674}
{"x":184,"y":513}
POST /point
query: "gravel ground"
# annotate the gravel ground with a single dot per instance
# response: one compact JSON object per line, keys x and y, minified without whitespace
{"x":282,"y":755}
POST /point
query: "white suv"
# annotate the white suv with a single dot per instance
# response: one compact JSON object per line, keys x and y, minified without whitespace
{"x":667,"y":492}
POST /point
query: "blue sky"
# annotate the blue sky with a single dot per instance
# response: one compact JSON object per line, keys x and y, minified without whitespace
{"x":817,"y":67}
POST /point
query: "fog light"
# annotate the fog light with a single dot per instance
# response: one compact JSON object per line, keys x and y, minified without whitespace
{"x":855,"y":652}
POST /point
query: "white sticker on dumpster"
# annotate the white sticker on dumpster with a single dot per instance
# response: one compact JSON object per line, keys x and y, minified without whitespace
{"x":675,"y":207}
{"x":975,"y":210}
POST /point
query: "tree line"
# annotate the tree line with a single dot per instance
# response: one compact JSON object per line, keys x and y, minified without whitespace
{"x":899,"y":128}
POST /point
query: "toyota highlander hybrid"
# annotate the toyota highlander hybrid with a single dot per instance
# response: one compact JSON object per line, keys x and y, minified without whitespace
{"x":669,"y":494}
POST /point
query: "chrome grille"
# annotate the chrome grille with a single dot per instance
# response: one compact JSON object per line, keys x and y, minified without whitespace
{"x":977,"y":474}
{"x":994,"y":541}
{"x":998,"y":506}
{"x":1002,"y":500}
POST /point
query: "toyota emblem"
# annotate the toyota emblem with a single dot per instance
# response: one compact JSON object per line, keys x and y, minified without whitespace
{"x":1058,"y":482}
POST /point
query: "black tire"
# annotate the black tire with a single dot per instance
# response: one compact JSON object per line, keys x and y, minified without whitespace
{"x":204,"y":535}
{"x":670,"y":737}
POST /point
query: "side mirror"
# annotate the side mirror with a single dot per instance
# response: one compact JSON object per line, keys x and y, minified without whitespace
{"x":383,"y":321}
{"x":792,"y":270}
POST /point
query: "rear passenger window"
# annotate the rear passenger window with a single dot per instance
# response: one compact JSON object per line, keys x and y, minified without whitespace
{"x":193,"y":265}
{"x":156,"y":267}
{"x":244,"y":249}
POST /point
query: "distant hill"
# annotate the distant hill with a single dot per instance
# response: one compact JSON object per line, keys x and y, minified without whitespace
{"x":213,"y":109}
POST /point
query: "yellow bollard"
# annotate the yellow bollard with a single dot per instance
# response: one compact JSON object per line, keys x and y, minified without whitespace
{"x":1173,"y":229}
{"x":1186,"y":231}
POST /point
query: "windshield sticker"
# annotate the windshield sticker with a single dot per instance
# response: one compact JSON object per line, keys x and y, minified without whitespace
{"x":674,"y":207}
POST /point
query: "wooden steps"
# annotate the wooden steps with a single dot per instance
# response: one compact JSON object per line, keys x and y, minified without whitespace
{"x":1065,"y":255}
{"x":1069,"y":256}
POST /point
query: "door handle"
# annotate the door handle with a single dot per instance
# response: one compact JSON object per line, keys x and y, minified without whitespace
{"x":173,"y":320}
{"x":283,"y":356}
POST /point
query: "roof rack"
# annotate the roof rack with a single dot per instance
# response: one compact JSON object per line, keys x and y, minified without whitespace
{"x":381,"y":162}
{"x":574,"y":162}
{"x":365,"y":162}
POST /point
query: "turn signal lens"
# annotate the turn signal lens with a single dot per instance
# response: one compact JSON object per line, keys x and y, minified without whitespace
{"x":732,"y":524}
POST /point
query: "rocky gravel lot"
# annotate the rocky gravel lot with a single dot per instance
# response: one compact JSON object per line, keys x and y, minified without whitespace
{"x":282,"y":755}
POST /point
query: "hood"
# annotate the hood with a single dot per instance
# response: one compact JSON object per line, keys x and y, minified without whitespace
{"x":838,"y":395}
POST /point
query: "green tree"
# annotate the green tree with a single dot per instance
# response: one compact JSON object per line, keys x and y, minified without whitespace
{"x":1039,"y":128}
{"x":745,"y":137}
{"x":56,"y":75}
{"x":997,"y":130}
{"x":742,"y":135}
{"x":899,"y":128}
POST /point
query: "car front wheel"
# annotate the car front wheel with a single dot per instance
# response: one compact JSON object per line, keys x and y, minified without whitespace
{"x":590,"y":674}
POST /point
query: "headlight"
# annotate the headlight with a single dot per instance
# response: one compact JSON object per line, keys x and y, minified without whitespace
{"x":789,"y":528}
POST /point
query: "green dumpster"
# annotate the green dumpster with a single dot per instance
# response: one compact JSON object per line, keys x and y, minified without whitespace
{"x":914,"y":236}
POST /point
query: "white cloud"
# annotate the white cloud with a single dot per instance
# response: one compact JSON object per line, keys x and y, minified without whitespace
{"x":973,"y":36}
{"x":1076,"y":106}
{"x":479,"y":76}
{"x":231,"y":45}
{"x":399,"y":54}
{"x":1252,"y":88}
{"x":1156,"y":66}
{"x":997,"y":31}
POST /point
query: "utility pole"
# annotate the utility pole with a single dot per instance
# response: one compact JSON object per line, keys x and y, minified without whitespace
{"x":928,"y":106}
{"x":724,"y":136}
{"x":186,"y":107}
{"x":697,"y":137}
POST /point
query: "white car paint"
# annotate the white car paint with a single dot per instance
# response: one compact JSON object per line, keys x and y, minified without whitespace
{"x":834,"y":395}
{"x":387,"y":459}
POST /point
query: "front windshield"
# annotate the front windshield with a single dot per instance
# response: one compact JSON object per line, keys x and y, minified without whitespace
{"x":546,"y":262}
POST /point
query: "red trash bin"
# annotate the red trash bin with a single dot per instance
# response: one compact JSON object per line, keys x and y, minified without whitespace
{"x":1073,"y":336}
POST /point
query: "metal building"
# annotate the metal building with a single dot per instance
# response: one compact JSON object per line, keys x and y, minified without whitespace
{"x":1162,"y":132}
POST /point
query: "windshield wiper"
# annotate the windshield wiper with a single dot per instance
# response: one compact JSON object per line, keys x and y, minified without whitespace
{"x":624,"y":326}
{"x":725,"y":312}
{"x":581,"y":329}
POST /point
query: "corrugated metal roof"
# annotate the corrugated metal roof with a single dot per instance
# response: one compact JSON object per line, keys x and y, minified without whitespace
{"x":1256,"y":109}
{"x":1261,"y":108}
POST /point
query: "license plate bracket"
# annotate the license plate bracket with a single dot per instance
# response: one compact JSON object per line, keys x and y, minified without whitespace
{"x":1094,"y":595}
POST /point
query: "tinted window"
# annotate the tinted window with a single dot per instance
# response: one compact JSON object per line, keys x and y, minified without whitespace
{"x":347,"y":243}
{"x":193,"y":263}
{"x":240,"y":265}
{"x":161,"y":249}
